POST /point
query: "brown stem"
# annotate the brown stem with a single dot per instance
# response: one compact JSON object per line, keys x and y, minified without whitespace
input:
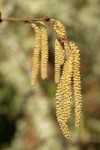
{"x":22,"y":19}
{"x":31,"y":20}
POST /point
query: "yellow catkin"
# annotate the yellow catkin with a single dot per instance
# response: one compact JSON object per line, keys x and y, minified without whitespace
{"x":60,"y":29}
{"x":59,"y":113}
{"x":57,"y":65}
{"x":44,"y":52}
{"x":64,"y":95}
{"x":67,"y":49}
{"x":66,"y":86}
{"x":36,"y":52}
{"x":59,"y":51}
{"x":57,"y":72}
{"x":77,"y":84}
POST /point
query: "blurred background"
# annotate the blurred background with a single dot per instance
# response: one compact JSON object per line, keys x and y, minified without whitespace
{"x":27,"y":113}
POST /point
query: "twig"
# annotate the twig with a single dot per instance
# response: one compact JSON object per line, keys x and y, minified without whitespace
{"x":31,"y":20}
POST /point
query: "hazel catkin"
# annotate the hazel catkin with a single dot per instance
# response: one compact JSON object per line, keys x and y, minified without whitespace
{"x":59,"y":51}
{"x":36,"y":53}
{"x":59,"y":113}
{"x":77,"y":84}
{"x":64,"y":95}
{"x":44,"y":52}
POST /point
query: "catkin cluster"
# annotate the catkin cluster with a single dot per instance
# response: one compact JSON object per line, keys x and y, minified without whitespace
{"x":68,"y":78}
{"x":71,"y":72}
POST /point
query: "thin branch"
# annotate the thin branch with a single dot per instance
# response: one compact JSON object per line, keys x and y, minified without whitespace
{"x":22,"y":19}
{"x":28,"y":20}
{"x":46,"y":20}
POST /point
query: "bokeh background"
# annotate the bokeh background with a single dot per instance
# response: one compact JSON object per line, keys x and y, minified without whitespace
{"x":27,"y":114}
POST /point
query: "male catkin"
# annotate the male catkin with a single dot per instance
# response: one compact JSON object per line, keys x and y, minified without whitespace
{"x":64,"y":92}
{"x":59,"y":113}
{"x":44,"y":52}
{"x":59,"y":51}
{"x":36,"y":53}
{"x":77,"y":84}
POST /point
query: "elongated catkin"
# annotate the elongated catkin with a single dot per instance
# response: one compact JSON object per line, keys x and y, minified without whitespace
{"x":77,"y":84}
{"x":67,"y":89}
{"x":59,"y":113}
{"x":59,"y":51}
{"x":64,"y":95}
{"x":36,"y":52}
{"x":44,"y":52}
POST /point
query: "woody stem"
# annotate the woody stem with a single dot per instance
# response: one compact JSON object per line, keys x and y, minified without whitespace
{"x":31,"y":20}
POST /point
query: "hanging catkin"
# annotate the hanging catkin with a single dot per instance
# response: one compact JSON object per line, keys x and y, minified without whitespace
{"x":44,"y":51}
{"x":36,"y":52}
{"x":64,"y":93}
{"x":67,"y":96}
{"x":59,"y":113}
{"x":77,"y":84}
{"x":59,"y":51}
